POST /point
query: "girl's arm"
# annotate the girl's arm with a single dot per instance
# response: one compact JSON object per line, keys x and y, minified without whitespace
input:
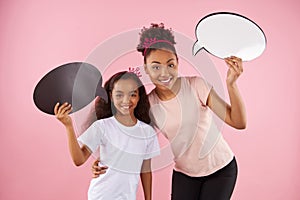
{"x":78,"y":154}
{"x":146,"y":178}
{"x":235,"y":113}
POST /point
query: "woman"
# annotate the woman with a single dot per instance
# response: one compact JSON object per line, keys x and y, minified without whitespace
{"x":205,"y":168}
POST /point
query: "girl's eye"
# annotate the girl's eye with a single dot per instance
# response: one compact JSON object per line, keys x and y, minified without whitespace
{"x":133,"y":95}
{"x":171,"y":65}
{"x":118,"y":95}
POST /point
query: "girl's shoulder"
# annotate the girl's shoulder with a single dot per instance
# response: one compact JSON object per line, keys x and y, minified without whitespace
{"x":143,"y":124}
{"x":147,"y":130}
{"x":101,"y":122}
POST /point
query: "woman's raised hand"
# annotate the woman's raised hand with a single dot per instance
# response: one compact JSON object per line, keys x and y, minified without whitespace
{"x":62,"y":113}
{"x":235,"y":65}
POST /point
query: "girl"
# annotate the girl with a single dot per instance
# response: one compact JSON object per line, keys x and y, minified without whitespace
{"x":205,"y":166}
{"x":126,"y":141}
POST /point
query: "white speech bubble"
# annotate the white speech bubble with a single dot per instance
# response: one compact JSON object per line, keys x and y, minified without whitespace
{"x":225,"y":34}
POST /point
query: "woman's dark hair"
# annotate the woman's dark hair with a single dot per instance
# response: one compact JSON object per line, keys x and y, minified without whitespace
{"x":105,"y":109}
{"x":157,"y":32}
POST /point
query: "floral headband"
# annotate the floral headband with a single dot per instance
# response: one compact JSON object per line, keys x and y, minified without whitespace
{"x":151,"y":41}
{"x":136,"y":71}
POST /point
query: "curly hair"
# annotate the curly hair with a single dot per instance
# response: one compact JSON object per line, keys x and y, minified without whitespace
{"x":159,"y":32}
{"x":105,"y":109}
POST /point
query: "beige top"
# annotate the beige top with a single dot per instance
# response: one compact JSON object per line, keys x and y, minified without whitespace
{"x":191,"y":128}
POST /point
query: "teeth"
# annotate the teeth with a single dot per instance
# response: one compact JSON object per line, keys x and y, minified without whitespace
{"x":165,"y":81}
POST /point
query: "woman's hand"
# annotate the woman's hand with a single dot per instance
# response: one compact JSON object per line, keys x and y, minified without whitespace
{"x":97,"y":170}
{"x":62,"y":113}
{"x":235,"y":65}
{"x":234,"y":114}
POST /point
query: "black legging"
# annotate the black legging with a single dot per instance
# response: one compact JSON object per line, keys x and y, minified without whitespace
{"x":217,"y":186}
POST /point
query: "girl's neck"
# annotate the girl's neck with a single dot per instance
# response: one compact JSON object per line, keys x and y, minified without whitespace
{"x":126,"y":120}
{"x":168,"y":94}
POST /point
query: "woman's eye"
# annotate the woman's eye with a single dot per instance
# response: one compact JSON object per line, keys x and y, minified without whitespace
{"x":118,"y":95}
{"x":156,"y":67}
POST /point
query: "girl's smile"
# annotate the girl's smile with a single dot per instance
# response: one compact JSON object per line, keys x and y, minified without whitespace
{"x":125,"y":97}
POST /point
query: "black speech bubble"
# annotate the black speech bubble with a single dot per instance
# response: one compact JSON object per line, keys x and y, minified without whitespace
{"x":77,"y":83}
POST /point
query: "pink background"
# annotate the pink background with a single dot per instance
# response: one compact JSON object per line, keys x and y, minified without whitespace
{"x":37,"y":36}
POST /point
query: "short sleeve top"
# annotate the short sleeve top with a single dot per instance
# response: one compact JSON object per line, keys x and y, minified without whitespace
{"x":191,"y":128}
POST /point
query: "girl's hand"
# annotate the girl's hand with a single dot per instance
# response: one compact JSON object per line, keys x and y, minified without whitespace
{"x":235,"y":69}
{"x":62,"y":113}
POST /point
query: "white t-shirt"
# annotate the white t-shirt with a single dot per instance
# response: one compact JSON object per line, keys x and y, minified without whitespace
{"x":123,"y":150}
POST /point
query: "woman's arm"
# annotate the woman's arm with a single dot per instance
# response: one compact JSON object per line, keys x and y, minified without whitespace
{"x":146,"y":178}
{"x":79,"y":154}
{"x":235,"y":113}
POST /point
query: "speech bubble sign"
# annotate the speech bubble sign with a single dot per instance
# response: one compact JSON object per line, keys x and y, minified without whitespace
{"x":225,"y":34}
{"x":77,"y":83}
